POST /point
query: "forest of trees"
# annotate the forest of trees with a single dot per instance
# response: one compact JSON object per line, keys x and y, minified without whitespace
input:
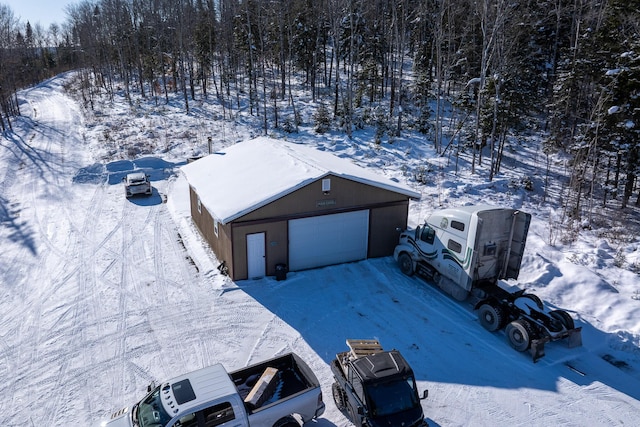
{"x":567,"y":69}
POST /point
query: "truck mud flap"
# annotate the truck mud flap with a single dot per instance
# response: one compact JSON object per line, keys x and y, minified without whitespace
{"x":537,"y":348}
{"x":574,"y":337}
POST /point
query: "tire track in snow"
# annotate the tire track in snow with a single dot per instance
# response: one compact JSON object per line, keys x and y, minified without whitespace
{"x":161,"y":235}
{"x":275,"y":327}
{"x":38,"y":291}
{"x":69,"y":324}
{"x":178,"y":299}
{"x":140,"y":284}
{"x":88,"y":279}
{"x":19,"y":293}
{"x":42,"y":329}
{"x":75,"y":281}
{"x":235,"y":323}
{"x":125,"y":273}
{"x":6,"y":366}
{"x":166,"y":236}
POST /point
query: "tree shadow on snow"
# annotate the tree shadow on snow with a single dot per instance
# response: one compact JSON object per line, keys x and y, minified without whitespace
{"x":19,"y":232}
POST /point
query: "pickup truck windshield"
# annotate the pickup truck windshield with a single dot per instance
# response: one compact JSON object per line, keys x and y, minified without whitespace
{"x":392,"y":397}
{"x":149,"y":412}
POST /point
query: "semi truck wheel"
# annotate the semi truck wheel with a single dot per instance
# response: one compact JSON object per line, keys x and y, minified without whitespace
{"x":491,"y":317}
{"x":535,"y":299}
{"x":406,"y":264}
{"x":519,"y":333}
{"x":564,"y":318}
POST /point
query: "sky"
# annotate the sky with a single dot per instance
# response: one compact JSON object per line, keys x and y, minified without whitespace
{"x":103,"y":294}
{"x":46,"y":12}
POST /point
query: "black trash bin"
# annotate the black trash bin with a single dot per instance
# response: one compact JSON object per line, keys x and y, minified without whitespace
{"x":281,"y":271}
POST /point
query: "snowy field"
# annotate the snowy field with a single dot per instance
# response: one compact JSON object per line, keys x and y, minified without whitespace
{"x":101,"y":295}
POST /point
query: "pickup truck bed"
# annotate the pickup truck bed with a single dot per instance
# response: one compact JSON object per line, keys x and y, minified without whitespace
{"x":290,"y":379}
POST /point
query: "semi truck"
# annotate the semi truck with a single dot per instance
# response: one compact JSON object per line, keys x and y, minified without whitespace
{"x":469,"y":252}
{"x":376,"y":388}
{"x":279,"y":392}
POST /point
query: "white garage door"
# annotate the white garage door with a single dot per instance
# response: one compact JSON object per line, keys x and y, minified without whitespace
{"x":328,"y":239}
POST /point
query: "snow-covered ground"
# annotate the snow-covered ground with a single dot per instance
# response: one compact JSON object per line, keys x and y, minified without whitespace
{"x":101,"y":295}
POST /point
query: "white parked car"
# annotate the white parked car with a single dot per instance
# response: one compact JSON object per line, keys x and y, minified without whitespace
{"x":137,"y":183}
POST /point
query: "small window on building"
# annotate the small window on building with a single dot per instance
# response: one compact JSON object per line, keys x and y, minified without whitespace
{"x":457,"y":225}
{"x":218,"y":414}
{"x":199,"y":205}
{"x":454,"y":246}
{"x":215,"y":227}
{"x":326,"y":185}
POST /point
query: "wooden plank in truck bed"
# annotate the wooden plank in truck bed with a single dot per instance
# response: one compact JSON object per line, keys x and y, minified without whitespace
{"x":263,"y":389}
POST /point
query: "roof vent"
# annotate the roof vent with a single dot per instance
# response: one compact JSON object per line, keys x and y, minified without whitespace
{"x":326,"y":185}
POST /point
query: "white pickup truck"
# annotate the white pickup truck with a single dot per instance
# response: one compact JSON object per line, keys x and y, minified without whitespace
{"x":137,"y":183}
{"x":279,"y":392}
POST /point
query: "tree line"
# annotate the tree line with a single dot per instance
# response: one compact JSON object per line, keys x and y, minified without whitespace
{"x":470,"y":73}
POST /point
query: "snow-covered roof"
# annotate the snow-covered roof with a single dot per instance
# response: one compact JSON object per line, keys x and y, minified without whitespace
{"x":253,"y":173}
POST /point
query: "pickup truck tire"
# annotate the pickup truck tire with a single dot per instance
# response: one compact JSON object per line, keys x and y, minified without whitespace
{"x":406,"y":264}
{"x":287,"y":422}
{"x":520,"y":333}
{"x":491,"y":317}
{"x":339,"y":396}
{"x":352,"y":417}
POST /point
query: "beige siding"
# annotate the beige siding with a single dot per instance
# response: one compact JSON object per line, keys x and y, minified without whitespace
{"x":310,"y":200}
{"x":276,"y":240}
{"x":388,"y":212}
{"x":384,"y":226}
{"x":220,"y":244}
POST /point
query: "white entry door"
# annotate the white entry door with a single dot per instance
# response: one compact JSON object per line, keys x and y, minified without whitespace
{"x":256,"y":266}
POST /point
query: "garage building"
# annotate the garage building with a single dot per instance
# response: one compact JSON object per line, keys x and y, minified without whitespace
{"x":264,"y":203}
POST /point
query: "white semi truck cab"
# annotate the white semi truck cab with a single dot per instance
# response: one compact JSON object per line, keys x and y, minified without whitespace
{"x":463,"y":248}
{"x":467,"y":252}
